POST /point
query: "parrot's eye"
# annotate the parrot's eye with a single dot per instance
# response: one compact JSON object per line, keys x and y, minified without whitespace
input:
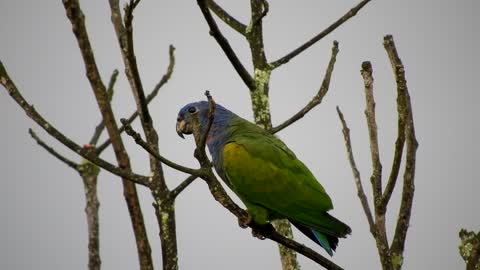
{"x":179,"y":119}
{"x":192,"y":110}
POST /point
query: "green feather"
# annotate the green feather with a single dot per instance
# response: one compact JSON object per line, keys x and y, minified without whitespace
{"x":273,"y":183}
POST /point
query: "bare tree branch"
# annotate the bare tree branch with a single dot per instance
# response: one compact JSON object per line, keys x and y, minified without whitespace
{"x":227,"y":18}
{"x":164,"y":210}
{"x":317,"y":99}
{"x":376,"y":178}
{"x":223,"y":42}
{"x":165,"y":78}
{"x":52,"y":151}
{"x":77,"y":19}
{"x":176,"y":191}
{"x":356,"y":174}
{"x":88,"y":154}
{"x":211,"y":113}
{"x":138,"y":139}
{"x":352,"y":12}
{"x":403,"y":221}
{"x":101,"y":126}
{"x":89,"y":173}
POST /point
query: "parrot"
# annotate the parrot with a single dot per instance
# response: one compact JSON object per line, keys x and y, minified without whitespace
{"x":265,"y":174}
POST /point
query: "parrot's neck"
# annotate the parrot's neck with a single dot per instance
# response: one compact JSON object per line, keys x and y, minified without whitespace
{"x":220,"y":132}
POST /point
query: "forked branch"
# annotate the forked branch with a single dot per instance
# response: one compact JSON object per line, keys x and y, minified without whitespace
{"x":317,"y":99}
{"x":391,"y":256}
{"x":225,"y":45}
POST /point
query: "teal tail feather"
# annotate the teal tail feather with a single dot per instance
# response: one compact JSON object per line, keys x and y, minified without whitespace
{"x":326,"y":241}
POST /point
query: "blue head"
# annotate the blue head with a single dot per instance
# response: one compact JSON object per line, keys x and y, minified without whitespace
{"x":200,"y":109}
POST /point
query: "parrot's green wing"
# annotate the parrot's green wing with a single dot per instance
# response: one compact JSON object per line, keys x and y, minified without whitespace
{"x":264,"y":173}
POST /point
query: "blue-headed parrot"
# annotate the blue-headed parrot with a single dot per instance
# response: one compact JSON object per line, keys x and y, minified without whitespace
{"x":267,"y":176}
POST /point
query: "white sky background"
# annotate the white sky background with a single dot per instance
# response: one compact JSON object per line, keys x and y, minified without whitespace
{"x":41,"y":200}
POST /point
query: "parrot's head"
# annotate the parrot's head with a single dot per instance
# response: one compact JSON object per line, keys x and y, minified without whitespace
{"x":198,"y":109}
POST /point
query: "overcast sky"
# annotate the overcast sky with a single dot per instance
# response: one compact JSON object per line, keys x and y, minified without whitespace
{"x":43,"y":224}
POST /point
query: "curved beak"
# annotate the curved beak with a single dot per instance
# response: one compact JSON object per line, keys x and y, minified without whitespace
{"x":180,"y":128}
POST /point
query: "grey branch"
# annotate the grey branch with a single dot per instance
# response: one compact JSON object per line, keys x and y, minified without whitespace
{"x":352,"y":12}
{"x":88,"y":154}
{"x":223,"y":42}
{"x":101,"y":126}
{"x":317,"y":99}
{"x":165,"y":78}
{"x":227,"y":18}
{"x":376,"y":177}
{"x":356,"y":173}
{"x":403,"y":221}
{"x":391,"y":257}
{"x":138,"y":139}
{"x":52,"y":151}
{"x":176,"y":191}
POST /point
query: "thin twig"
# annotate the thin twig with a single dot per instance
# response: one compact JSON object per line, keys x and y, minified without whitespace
{"x":223,"y":42}
{"x":101,"y":126}
{"x":211,"y":115}
{"x":352,"y":12}
{"x":88,"y":154}
{"x":52,"y":151}
{"x":356,"y":173}
{"x":176,"y":191}
{"x":138,"y":139}
{"x":165,"y":78}
{"x":317,"y":99}
{"x":227,"y":18}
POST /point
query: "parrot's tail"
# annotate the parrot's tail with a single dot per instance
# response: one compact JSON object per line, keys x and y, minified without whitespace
{"x":327,"y":242}
{"x":325,"y":236}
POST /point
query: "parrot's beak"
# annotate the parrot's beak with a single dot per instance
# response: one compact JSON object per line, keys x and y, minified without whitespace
{"x":183,"y":128}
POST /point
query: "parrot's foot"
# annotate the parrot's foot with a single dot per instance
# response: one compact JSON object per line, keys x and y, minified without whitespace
{"x":243,"y":222}
{"x":263,"y":231}
{"x":258,"y":234}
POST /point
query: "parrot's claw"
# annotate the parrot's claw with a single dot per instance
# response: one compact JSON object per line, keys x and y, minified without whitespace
{"x":243,"y":222}
{"x":258,"y":234}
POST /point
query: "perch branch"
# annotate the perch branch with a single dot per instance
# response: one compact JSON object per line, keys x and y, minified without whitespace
{"x":352,"y":12}
{"x":220,"y":195}
{"x":227,"y":18}
{"x":138,"y":139}
{"x":223,"y":42}
{"x":317,"y":99}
